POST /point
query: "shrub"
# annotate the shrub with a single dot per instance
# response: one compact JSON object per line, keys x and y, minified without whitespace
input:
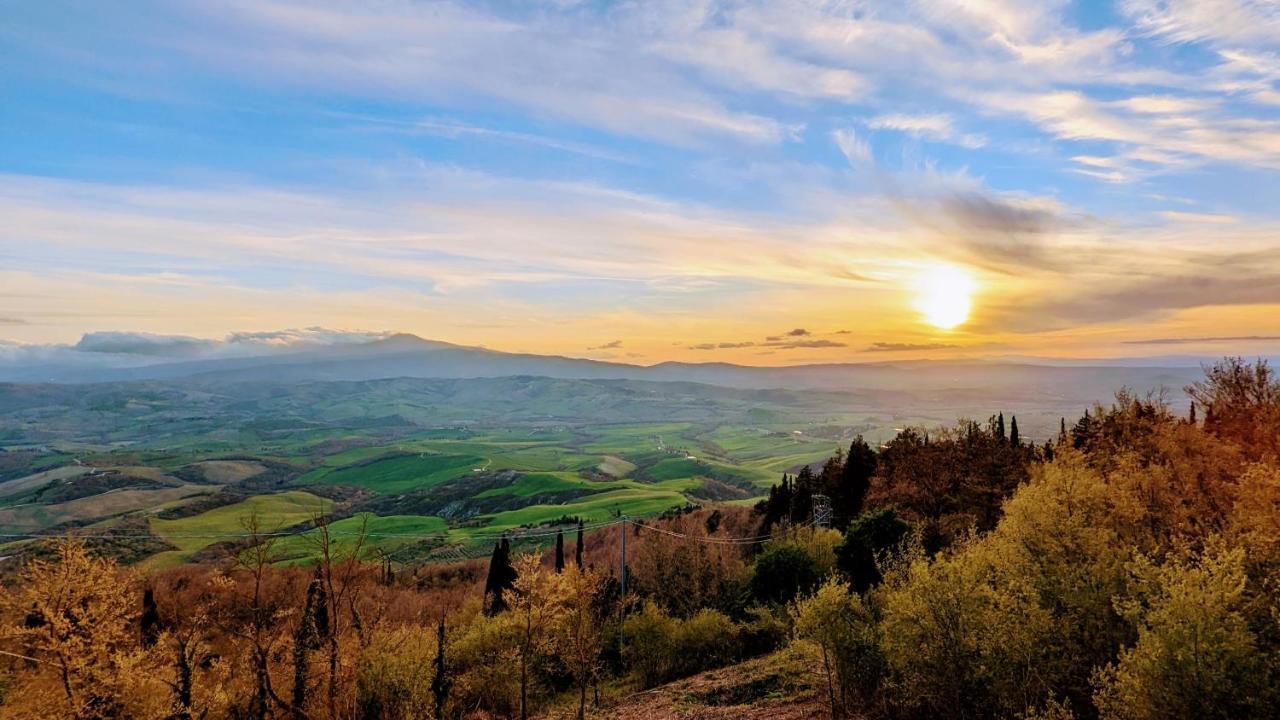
{"x":708,"y":639}
{"x":486,"y":653}
{"x":782,"y":572}
{"x":959,"y":645}
{"x":648,"y":635}
{"x":835,"y":620}
{"x":659,"y":648}
{"x":872,"y":533}
{"x":763,"y":632}
{"x":393,"y":678}
{"x":1195,"y":656}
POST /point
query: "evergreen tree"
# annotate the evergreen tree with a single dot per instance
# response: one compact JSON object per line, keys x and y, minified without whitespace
{"x":802,"y":490}
{"x":1083,"y":432}
{"x":441,"y":683}
{"x":713,"y":521}
{"x":855,"y":481}
{"x":577,"y":550}
{"x":874,"y":532}
{"x":306,"y":639}
{"x":150,"y":620}
{"x":828,"y":481}
{"x":500,"y":578}
{"x":1000,"y":426}
{"x":776,"y":507}
{"x":1062,"y":429}
{"x":1191,"y":416}
{"x":323,"y":628}
{"x":559,"y":551}
{"x":1014,"y":440}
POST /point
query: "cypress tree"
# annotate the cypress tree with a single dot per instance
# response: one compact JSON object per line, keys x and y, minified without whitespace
{"x":441,"y":683}
{"x":500,"y":577}
{"x":322,"y":607}
{"x":855,"y":481}
{"x":491,"y":579}
{"x":1000,"y":426}
{"x":577,"y":550}
{"x":150,"y":620}
{"x":306,"y":639}
{"x":801,"y":500}
{"x":1191,"y":417}
{"x":1082,"y":433}
{"x":559,"y":551}
{"x":1062,"y":429}
{"x":1014,"y":440}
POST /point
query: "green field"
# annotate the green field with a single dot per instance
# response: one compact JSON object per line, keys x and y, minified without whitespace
{"x":380,"y":535}
{"x":274,"y":512}
{"x":371,"y":455}
{"x":396,"y":473}
{"x":497,"y":478}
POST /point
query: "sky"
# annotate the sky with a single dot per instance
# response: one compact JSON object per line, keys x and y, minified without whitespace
{"x":758,"y":182}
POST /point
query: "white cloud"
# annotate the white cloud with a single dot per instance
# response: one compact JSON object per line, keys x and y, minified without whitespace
{"x":855,"y":149}
{"x":1153,"y":133}
{"x":601,"y":74}
{"x":1206,"y":218}
{"x":1241,"y":22}
{"x":126,"y":349}
{"x":938,"y":127}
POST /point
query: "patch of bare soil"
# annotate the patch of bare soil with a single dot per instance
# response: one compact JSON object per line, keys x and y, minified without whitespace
{"x":770,"y":687}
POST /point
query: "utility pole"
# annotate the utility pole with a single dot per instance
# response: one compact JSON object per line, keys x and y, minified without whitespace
{"x":624,"y":559}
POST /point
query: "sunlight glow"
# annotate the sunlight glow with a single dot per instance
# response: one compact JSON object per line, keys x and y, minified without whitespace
{"x":944,"y":296}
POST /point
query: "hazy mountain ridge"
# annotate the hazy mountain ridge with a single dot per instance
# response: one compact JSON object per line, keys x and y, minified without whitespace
{"x":413,"y":357}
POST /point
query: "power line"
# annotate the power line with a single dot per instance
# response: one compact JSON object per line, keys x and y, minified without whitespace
{"x":455,"y":550}
{"x":753,"y":540}
{"x":22,"y":657}
{"x":455,"y":534}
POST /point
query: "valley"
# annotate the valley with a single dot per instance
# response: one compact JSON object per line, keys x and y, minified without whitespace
{"x":422,"y":467}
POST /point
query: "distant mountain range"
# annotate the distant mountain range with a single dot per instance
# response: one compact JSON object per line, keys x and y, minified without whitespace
{"x":409,"y":356}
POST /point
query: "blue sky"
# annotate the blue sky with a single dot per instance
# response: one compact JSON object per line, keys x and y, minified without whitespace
{"x":557,"y":176}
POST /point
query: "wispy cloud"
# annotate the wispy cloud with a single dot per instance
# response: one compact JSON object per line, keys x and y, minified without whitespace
{"x":938,"y":127}
{"x":453,"y":129}
{"x":1242,"y":22}
{"x":1208,"y":218}
{"x":854,"y":148}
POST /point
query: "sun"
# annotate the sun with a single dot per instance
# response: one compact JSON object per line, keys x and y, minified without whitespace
{"x":944,"y":296}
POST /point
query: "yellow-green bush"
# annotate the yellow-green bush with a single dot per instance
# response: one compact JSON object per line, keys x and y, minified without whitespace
{"x":1195,"y":656}
{"x":393,"y":678}
{"x":659,"y":647}
{"x":837,"y":623}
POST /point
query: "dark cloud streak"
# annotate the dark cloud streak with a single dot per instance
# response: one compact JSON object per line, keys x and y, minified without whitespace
{"x":1193,"y":340}
{"x":904,"y":347}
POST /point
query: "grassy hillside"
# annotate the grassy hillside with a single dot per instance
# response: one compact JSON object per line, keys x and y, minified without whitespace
{"x":465,"y":458}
